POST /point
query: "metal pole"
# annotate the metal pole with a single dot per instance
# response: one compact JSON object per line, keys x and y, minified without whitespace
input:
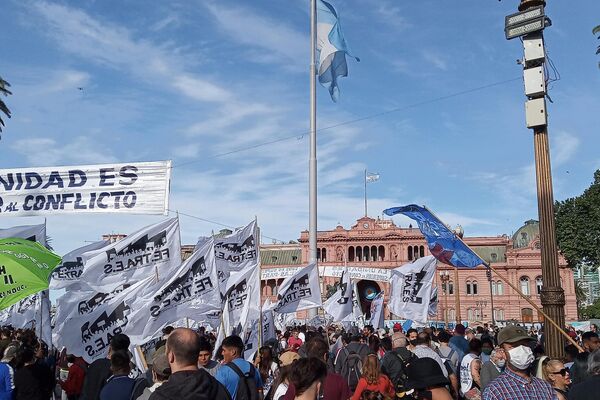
{"x":489,"y":276}
{"x":312,"y":167}
{"x":552,"y":294}
{"x":365,"y":193}
{"x":457,"y":296}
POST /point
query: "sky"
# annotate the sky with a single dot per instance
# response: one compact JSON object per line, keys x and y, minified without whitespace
{"x":435,"y":106}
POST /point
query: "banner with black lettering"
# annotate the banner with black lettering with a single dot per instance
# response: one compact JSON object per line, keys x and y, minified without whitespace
{"x":35,"y":233}
{"x":236,"y":251}
{"x":377,"y":311}
{"x":300,"y":291}
{"x":411,"y":288}
{"x":242,"y":299}
{"x":89,"y":327}
{"x":339,"y":305}
{"x":139,"y":188}
{"x":68,"y":272}
{"x":153,"y":250}
{"x":21,"y":314}
{"x":192,"y":289}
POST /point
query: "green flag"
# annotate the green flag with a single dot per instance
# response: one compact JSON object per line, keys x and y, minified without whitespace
{"x":25,"y":268}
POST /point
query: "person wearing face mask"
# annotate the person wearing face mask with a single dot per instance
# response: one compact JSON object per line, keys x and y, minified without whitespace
{"x":411,"y":334}
{"x":516,"y":383}
{"x":486,"y":349}
{"x":492,"y":369}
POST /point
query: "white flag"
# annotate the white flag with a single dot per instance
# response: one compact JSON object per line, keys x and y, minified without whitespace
{"x":43,"y":327}
{"x":357,"y":313}
{"x":300,"y":291}
{"x":377,"y":314}
{"x":68,"y":272}
{"x":268,"y":325}
{"x":35,"y":233}
{"x":433,"y":303}
{"x":371,"y":177}
{"x":155,"y":249}
{"x":21,"y":314}
{"x":242,"y":300}
{"x":340,"y":305}
{"x":411,"y":289}
{"x":235,"y":252}
{"x":88,"y":333}
{"x":192,"y":289}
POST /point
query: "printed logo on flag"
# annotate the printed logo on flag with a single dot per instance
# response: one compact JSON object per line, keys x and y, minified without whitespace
{"x":412,"y":285}
{"x":236,"y":295}
{"x":236,"y":252}
{"x":88,"y":306}
{"x":143,"y":251}
{"x":299,"y":289}
{"x":97,"y":334}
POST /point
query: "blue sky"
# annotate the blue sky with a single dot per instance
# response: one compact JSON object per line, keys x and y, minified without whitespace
{"x":193,"y":80}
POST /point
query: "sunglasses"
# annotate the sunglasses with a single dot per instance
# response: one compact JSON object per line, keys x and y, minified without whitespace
{"x":563,"y":372}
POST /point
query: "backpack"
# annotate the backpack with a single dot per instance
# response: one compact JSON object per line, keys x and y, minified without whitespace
{"x":406,"y":357}
{"x":246,"y":388}
{"x":352,"y":368}
{"x":447,"y":360}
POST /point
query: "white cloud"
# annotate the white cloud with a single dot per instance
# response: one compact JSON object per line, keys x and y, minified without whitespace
{"x":435,"y":59}
{"x":41,"y":151}
{"x":200,"y":89}
{"x":564,"y":147}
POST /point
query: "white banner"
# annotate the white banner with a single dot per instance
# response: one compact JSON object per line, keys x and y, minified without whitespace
{"x":236,"y":251}
{"x":300,"y":292}
{"x":411,"y":289}
{"x":21,"y":314}
{"x":357,"y":315}
{"x":339,"y":306}
{"x":192,"y":289}
{"x":241,"y":300}
{"x":153,"y":250}
{"x":377,"y":314}
{"x":140,"y":188}
{"x":43,"y":327}
{"x":88,"y":333}
{"x":35,"y":233}
{"x":68,"y":272}
{"x":356,"y":273}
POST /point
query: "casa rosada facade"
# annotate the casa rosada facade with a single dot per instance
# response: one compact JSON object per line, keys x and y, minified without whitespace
{"x":372,"y":247}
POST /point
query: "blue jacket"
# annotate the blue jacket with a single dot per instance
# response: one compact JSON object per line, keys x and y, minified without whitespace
{"x":7,"y":382}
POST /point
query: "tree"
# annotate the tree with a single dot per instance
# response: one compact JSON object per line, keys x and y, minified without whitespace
{"x":591,"y":312}
{"x":3,"y":107}
{"x":578,"y":226}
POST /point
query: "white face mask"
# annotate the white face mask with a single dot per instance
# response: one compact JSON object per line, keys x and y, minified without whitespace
{"x":500,"y":363}
{"x":521,"y":357}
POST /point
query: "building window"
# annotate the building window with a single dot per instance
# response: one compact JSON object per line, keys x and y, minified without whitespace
{"x":527,"y":315}
{"x":351,"y":253}
{"x":468,"y":287}
{"x":381,"y":253}
{"x":498,"y":314}
{"x":410,"y":253}
{"x":359,"y":253}
{"x":294,"y":258}
{"x":494,"y":257}
{"x":500,"y":288}
{"x":524,"y":285}
{"x":494,"y":290}
{"x":324,"y":255}
{"x":451,"y":314}
{"x":538,"y":285}
{"x":470,"y":314}
{"x":273,"y":259}
{"x":366,"y":253}
{"x":374,"y":256}
{"x":421,"y":251}
{"x":472,"y":287}
{"x":448,"y":287}
{"x":318,"y":254}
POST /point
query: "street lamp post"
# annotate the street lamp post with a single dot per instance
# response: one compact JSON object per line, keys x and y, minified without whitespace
{"x":481,"y":304}
{"x":445,"y":278}
{"x":529,"y":23}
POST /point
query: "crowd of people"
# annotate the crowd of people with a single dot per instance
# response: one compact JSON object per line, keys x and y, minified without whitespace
{"x":306,"y":363}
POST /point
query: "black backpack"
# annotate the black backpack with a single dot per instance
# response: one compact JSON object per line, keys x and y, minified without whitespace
{"x":352,"y":368}
{"x":405,"y":357}
{"x":246,"y":388}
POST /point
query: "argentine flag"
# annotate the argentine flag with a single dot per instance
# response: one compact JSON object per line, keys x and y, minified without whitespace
{"x":331,"y":48}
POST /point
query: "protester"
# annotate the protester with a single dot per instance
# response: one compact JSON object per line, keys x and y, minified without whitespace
{"x":307,"y":377}
{"x":372,"y":379}
{"x":294,"y":342}
{"x":579,"y":370}
{"x":486,"y":349}
{"x":516,"y":382}
{"x":394,"y":362}
{"x":411,"y":335}
{"x":426,"y":378}
{"x":99,"y":370}
{"x":423,"y":349}
{"x":187,"y":381}
{"x":7,"y":381}
{"x":119,"y":386}
{"x":589,"y":389}
{"x":571,"y":353}
{"x":492,"y":369}
{"x":204,"y":358}
{"x":458,"y":341}
{"x":282,"y":383}
{"x":348,"y":362}
{"x":235,"y":368}
{"x":557,"y":375}
{"x":75,"y":377}
{"x":31,"y":381}
{"x":470,"y":368}
{"x":267,"y":367}
{"x":446,"y":352}
{"x":161,"y":371}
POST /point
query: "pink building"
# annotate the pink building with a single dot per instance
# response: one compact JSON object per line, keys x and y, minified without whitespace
{"x":372,"y":247}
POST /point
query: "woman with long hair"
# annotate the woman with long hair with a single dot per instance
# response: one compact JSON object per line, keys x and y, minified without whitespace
{"x":557,"y":375}
{"x":267,"y":367}
{"x":372,"y":379}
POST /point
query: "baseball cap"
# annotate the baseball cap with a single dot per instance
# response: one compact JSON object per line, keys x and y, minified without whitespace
{"x":512,"y":334}
{"x":160,"y":364}
{"x":288,"y":358}
{"x":397,"y":327}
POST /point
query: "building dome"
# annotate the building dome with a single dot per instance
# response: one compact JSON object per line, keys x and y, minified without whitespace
{"x":525,"y":234}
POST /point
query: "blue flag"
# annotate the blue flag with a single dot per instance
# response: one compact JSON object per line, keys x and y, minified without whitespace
{"x":331,"y":48}
{"x":442,"y":242}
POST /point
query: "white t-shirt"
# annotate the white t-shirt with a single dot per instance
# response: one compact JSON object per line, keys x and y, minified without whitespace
{"x":281,"y":391}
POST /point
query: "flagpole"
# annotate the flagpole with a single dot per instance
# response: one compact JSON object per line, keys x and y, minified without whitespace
{"x":312,"y":168}
{"x":260,"y":310}
{"x":365,"y":192}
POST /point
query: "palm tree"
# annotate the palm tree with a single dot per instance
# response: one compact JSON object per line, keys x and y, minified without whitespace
{"x":596,"y":31}
{"x":3,"y":107}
